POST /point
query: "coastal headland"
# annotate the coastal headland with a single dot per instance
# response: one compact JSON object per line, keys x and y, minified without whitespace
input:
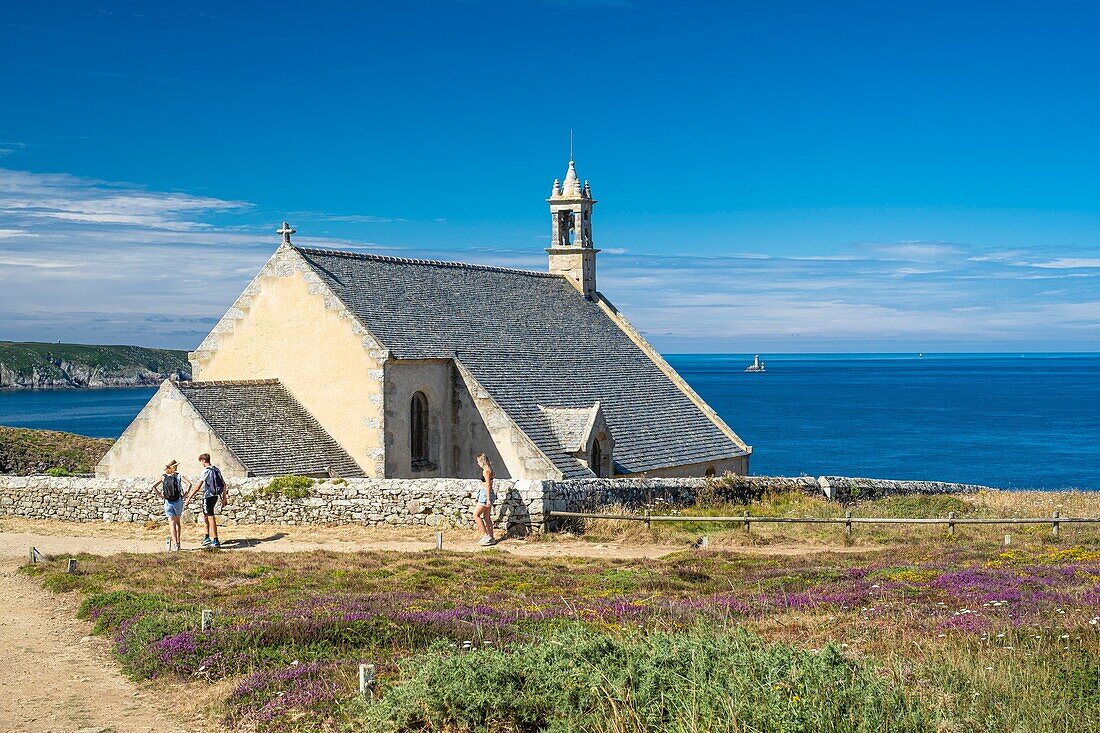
{"x":32,"y":365}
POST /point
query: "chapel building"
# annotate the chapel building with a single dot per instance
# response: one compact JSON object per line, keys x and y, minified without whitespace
{"x":337,"y":363}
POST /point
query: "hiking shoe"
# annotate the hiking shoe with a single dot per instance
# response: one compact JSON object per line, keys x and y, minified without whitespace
{"x":216,"y":545}
{"x":206,"y":542}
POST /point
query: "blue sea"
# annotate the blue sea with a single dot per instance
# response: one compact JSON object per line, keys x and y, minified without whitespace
{"x":1006,"y":420}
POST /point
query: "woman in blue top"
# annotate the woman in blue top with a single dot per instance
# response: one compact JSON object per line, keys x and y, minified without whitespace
{"x":170,"y":488}
{"x":483,"y":510}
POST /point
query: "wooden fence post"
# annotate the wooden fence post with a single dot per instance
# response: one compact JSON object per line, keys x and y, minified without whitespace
{"x":950,"y":523}
{"x":848,"y":524}
{"x":34,"y":555}
{"x":207,"y":619}
{"x":72,"y":565}
{"x":366,"y":679}
{"x":1055,"y":525}
{"x":747,"y":522}
{"x":705,"y":544}
{"x":439,"y":540}
{"x":648,"y":524}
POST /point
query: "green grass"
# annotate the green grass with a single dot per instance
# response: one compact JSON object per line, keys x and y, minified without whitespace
{"x":24,"y":451}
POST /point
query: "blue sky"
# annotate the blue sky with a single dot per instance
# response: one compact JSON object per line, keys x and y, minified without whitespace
{"x":772,"y":176}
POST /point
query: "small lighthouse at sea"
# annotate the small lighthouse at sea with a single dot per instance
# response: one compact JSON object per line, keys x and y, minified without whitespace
{"x":756,"y":366}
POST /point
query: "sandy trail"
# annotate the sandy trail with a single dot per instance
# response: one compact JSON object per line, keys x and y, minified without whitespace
{"x":61,"y":538}
{"x":58,"y":679}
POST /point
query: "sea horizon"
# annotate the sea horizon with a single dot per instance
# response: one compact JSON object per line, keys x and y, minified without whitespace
{"x":990,"y":418}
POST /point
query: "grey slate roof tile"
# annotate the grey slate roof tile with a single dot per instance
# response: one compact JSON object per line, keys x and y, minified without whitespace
{"x":267,"y":429}
{"x":530,"y":338}
{"x":568,"y":425}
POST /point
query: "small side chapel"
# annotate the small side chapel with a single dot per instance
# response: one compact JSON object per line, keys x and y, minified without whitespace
{"x":336,"y":363}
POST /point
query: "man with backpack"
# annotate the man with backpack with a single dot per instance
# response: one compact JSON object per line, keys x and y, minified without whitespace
{"x":170,"y":488}
{"x":213,"y":487}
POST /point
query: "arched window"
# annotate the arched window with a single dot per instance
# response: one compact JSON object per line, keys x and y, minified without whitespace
{"x":418,"y":430}
{"x":595,"y":462}
{"x":709,"y":472}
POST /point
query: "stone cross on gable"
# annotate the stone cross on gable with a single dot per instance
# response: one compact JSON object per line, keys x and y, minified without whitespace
{"x":286,"y":231}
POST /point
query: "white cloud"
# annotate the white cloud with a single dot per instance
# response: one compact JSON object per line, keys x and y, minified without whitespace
{"x":63,"y":197}
{"x":941,"y":294}
{"x":1069,"y":262}
{"x":90,"y":260}
{"x":912,"y":251}
{"x":93,"y":260}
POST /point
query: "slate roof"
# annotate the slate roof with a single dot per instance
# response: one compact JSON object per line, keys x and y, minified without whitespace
{"x":530,"y":339}
{"x":267,"y":429}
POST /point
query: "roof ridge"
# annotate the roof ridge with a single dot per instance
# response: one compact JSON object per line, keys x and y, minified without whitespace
{"x":547,"y":408}
{"x":414,"y":261}
{"x":225,"y":383}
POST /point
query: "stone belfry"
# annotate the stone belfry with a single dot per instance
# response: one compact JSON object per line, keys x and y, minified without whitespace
{"x":571,"y":251}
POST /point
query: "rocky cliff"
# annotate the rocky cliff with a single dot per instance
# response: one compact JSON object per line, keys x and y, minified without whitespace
{"x":50,"y":366}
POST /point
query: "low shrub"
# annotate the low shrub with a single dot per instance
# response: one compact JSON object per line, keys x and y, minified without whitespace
{"x":290,"y":487}
{"x":699,"y":680}
{"x":58,"y":471}
{"x":727,"y":489}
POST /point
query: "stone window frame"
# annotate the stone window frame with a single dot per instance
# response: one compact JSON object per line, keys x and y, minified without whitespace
{"x":420,"y":432}
{"x":595,"y":458}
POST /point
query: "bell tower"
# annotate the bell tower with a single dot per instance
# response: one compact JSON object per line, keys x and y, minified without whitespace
{"x":571,"y":251}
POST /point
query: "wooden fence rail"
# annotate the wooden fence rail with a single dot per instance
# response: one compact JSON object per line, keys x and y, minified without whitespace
{"x":746,"y":520}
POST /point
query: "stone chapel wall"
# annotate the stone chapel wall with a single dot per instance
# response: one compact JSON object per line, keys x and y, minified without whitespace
{"x":167,"y":428}
{"x":287,"y":326}
{"x":432,"y":378}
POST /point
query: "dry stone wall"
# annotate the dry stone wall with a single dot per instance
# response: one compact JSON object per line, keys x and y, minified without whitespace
{"x":425,"y":502}
{"x":845,"y":489}
{"x":522,"y":504}
{"x":584,"y":495}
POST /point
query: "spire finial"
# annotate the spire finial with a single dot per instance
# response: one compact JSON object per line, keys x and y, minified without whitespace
{"x":570,"y":144}
{"x":286,"y":231}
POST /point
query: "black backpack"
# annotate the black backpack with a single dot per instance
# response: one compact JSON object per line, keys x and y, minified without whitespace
{"x":219,"y":482}
{"x":170,"y":486}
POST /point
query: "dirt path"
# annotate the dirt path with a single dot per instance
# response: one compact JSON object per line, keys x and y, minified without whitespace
{"x":62,"y":538}
{"x":58,"y":679}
